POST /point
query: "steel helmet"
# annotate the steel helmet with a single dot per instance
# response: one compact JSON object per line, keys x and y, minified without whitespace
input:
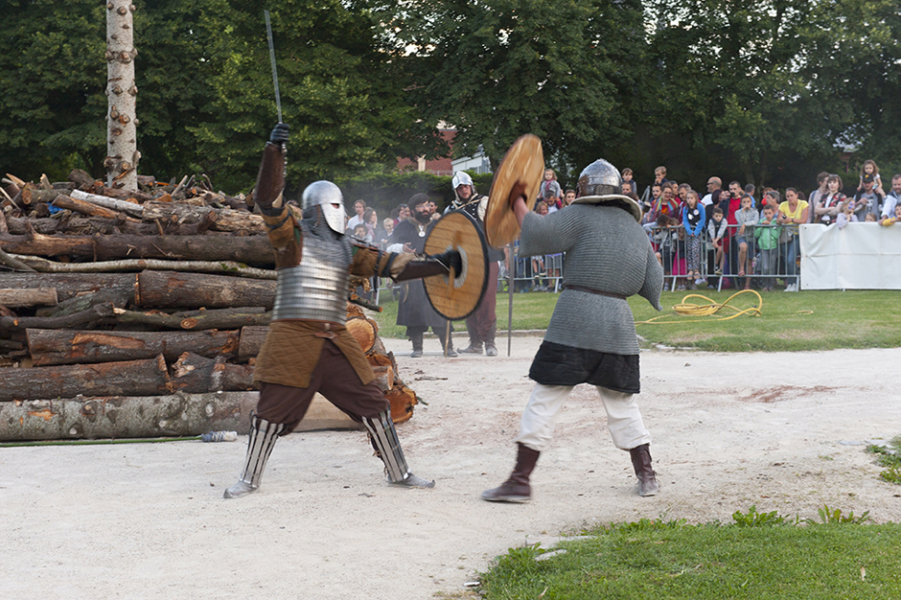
{"x":326,"y":195}
{"x":461,"y":178}
{"x":599,"y":183}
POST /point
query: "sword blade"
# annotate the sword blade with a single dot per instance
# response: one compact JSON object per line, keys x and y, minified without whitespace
{"x":278,"y":98}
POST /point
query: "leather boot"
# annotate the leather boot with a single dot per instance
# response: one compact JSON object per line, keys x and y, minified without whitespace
{"x":516,"y":488}
{"x":416,"y":338}
{"x":647,"y":478}
{"x":490,"y":347}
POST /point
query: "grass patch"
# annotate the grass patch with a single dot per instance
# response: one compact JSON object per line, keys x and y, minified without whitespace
{"x":815,"y":320}
{"x":890,"y":457}
{"x":762,"y":556}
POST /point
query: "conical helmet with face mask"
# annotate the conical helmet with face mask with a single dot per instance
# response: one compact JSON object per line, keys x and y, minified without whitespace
{"x":328,"y":197}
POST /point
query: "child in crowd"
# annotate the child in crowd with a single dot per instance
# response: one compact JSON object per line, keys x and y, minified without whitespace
{"x":550,"y":184}
{"x":387,"y":230}
{"x":679,"y":253}
{"x":870,"y":172}
{"x":717,"y":229}
{"x":745,"y":218}
{"x":768,"y":242}
{"x":892,"y":220}
{"x":847,"y":215}
{"x":665,"y":242}
{"x":694,"y":217}
{"x":361,"y":232}
{"x":628,"y":178}
{"x":538,"y":269}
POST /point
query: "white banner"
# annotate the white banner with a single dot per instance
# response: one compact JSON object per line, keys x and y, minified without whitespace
{"x":862,"y":256}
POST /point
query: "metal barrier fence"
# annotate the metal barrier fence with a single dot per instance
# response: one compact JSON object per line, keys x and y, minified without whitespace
{"x":762,"y":267}
{"x":756,"y":258}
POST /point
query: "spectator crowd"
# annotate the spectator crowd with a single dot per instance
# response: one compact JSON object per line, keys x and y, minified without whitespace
{"x":731,"y":236}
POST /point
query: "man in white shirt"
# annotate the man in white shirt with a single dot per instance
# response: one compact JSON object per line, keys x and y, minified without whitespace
{"x":357,"y":219}
{"x":714,"y":189}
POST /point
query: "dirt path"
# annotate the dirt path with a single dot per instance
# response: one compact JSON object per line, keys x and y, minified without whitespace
{"x":147,"y":521}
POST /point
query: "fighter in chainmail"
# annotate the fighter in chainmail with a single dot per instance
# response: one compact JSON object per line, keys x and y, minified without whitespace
{"x":308,"y":349}
{"x":482,"y":323}
{"x":591,"y":336}
{"x":414,"y":310}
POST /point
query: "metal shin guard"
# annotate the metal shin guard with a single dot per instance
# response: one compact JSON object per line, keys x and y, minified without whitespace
{"x":387,"y":446}
{"x":263,"y":434}
{"x":647,"y":478}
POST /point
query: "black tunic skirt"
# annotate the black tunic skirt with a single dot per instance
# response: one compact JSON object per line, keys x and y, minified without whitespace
{"x":556,"y":364}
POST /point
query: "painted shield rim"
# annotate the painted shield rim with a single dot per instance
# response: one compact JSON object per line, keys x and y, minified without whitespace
{"x":499,"y":214}
{"x":484,"y":246}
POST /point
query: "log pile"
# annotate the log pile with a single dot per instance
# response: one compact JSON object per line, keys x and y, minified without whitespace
{"x":141,"y":314}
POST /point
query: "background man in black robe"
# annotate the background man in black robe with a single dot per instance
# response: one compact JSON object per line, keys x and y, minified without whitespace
{"x":414,"y":309}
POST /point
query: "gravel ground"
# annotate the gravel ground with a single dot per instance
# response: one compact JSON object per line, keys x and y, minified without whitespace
{"x":783,"y":432}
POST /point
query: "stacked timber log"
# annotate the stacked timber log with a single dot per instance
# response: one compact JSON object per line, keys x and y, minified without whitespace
{"x":141,"y":314}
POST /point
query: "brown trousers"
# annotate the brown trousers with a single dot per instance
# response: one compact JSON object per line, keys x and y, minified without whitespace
{"x":482,"y":323}
{"x":334,"y":378}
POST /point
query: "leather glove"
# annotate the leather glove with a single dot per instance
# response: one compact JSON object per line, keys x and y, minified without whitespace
{"x":518,"y":189}
{"x":451,"y":260}
{"x":279,"y":134}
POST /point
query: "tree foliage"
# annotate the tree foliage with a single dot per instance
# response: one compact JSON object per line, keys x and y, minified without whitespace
{"x":769,"y":81}
{"x":759,"y":91}
{"x":498,"y":69}
{"x":52,"y":73}
{"x":340,"y":93}
{"x":206,"y":100}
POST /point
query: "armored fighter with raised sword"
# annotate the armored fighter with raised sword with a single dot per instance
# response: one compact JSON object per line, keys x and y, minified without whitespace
{"x":308,"y":349}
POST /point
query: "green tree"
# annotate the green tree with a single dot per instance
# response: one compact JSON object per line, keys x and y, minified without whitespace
{"x":563,"y":70}
{"x":53,"y":74}
{"x":737,"y":78}
{"x":855,"y":54}
{"x":176,"y":62}
{"x":206,"y":100}
{"x":341,"y":94}
{"x":768,"y":88}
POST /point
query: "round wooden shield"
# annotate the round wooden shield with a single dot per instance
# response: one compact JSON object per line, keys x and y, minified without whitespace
{"x":458,"y":299}
{"x":523,"y":163}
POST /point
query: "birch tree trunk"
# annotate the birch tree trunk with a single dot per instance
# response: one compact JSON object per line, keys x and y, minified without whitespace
{"x":122,"y":161}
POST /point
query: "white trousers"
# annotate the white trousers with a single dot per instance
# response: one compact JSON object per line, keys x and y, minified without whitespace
{"x":623,"y":417}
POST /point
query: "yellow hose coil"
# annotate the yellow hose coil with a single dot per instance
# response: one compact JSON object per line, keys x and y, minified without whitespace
{"x":706,"y":310}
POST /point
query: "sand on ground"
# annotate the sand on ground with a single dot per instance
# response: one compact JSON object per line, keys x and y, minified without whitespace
{"x":784,"y":432}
